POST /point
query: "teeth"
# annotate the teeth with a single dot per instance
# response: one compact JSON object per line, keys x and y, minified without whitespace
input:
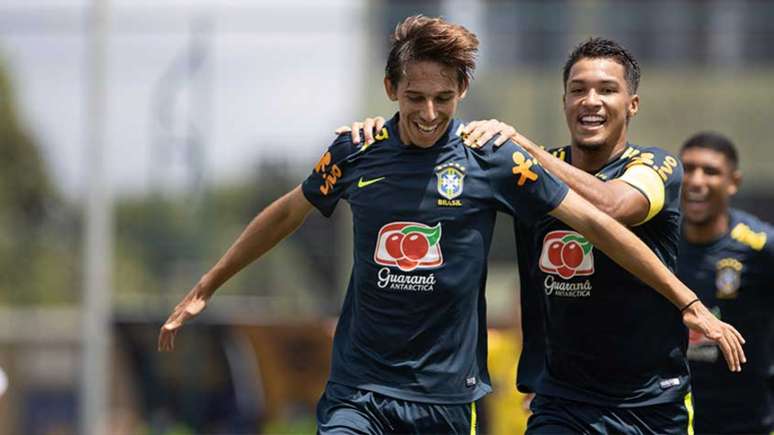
{"x":694,"y":197}
{"x":592,"y":119}
{"x":426,"y":128}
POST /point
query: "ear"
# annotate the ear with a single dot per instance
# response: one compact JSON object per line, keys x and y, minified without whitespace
{"x":634,"y":106}
{"x":392,"y":91}
{"x":464,"y":92}
{"x":736,"y":181}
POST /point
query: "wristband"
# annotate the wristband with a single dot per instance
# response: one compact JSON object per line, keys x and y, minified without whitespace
{"x":682,"y":310}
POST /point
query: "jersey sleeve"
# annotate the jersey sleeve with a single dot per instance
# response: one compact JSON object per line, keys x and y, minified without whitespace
{"x":657,"y":175}
{"x":520,"y":185}
{"x":331,"y":176}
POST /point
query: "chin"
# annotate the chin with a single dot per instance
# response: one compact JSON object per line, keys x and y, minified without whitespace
{"x":590,"y":145}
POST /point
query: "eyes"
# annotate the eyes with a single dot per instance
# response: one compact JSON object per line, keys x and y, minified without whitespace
{"x":578,"y":90}
{"x":438,"y":100}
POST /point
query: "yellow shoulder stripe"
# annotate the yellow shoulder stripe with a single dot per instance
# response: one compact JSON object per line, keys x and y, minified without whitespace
{"x":688,"y":401}
{"x":744,"y":234}
{"x":648,"y":181}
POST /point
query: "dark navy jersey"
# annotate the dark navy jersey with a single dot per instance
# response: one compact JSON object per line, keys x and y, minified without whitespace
{"x":734,"y":277}
{"x":602,"y":335}
{"x":413,"y":323}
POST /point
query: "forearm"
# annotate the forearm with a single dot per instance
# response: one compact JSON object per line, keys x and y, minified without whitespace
{"x":623,"y":247}
{"x":591,"y":188}
{"x":269,"y":227}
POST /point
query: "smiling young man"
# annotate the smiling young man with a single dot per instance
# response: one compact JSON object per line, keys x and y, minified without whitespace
{"x":727,"y":255}
{"x":409,"y":353}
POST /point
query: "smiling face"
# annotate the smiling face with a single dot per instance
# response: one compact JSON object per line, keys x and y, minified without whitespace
{"x":427,"y":96}
{"x":708,"y":184}
{"x":598,"y":104}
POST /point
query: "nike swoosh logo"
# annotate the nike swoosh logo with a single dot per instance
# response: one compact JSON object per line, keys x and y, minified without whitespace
{"x":363,"y":183}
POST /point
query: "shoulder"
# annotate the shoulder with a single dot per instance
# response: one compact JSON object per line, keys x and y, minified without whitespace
{"x":560,"y":153}
{"x":751,"y":231}
{"x":667,"y":166}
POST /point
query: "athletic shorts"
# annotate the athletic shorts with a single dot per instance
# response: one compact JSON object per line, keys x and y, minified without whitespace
{"x":347,"y":410}
{"x":552,"y":415}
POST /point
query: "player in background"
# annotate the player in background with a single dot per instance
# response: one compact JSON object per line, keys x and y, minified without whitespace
{"x":601,"y":352}
{"x":409,"y":353}
{"x":727,"y":256}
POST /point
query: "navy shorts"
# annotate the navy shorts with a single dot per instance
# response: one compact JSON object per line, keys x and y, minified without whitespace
{"x":552,"y":415}
{"x":347,"y":410}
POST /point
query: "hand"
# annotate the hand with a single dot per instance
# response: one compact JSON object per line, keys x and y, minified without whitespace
{"x":369,"y":127}
{"x":698,"y":318}
{"x":527,"y":401}
{"x":477,"y":133}
{"x":191,"y":306}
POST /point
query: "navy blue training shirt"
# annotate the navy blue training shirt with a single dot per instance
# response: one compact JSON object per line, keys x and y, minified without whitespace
{"x":413,"y":322}
{"x":734,"y":277}
{"x":593,"y":332}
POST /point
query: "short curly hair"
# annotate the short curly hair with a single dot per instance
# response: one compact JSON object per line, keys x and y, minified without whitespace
{"x":595,"y":48}
{"x":419,"y":38}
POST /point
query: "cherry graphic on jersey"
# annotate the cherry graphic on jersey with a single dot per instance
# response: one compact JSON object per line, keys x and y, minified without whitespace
{"x":565,"y":272}
{"x":555,"y":253}
{"x":414,"y":246}
{"x":572,"y":254}
{"x":406,"y":264}
{"x":393,"y":245}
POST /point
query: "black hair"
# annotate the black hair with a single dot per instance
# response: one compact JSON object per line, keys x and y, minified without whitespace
{"x":595,"y":48}
{"x":713,"y":141}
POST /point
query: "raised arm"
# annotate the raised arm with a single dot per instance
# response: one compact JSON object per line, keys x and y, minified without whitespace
{"x":273,"y":224}
{"x":632,"y":254}
{"x":617,"y":198}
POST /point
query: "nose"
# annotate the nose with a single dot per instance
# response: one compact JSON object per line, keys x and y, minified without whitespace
{"x":693,"y":178}
{"x":428,"y":112}
{"x":591,"y":98}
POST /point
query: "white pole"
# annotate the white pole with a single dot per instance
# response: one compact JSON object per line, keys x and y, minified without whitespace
{"x":98,"y":246}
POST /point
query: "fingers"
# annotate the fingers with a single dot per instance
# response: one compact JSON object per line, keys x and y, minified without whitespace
{"x":343,"y":129}
{"x":368,"y":130}
{"x":355,"y":129}
{"x":731,"y":345}
{"x":380,"y":123}
{"x":167,"y":339}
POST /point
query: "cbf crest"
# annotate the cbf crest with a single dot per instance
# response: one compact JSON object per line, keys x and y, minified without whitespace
{"x":451,"y":180}
{"x":728,"y":278}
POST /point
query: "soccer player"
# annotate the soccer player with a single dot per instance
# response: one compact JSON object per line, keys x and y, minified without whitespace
{"x":409,"y":353}
{"x":727,"y":255}
{"x":601,"y":350}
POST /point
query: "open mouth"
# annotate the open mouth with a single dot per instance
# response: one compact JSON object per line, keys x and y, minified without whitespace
{"x":427,"y":129}
{"x":591,"y":121}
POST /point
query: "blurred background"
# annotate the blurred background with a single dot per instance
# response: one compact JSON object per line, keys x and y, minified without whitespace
{"x":137,"y":138}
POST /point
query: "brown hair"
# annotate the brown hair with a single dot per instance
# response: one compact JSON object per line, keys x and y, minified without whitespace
{"x":420,"y":38}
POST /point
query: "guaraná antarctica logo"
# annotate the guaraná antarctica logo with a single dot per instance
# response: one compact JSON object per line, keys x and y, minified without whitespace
{"x":409,"y":246}
{"x":567,"y":254}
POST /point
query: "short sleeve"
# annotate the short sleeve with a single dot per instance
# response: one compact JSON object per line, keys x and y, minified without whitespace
{"x":329,"y":180}
{"x":520,"y":185}
{"x":656,"y":174}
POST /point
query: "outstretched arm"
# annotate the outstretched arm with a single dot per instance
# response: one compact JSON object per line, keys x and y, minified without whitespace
{"x":273,"y":224}
{"x":615,"y":197}
{"x":632,"y":254}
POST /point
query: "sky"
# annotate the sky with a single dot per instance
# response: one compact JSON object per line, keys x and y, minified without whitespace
{"x":273,"y":79}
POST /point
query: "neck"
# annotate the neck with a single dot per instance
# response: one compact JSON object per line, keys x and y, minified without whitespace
{"x":707,"y":231}
{"x":591,"y":159}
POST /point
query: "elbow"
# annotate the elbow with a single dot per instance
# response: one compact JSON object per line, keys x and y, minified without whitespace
{"x":617,"y":211}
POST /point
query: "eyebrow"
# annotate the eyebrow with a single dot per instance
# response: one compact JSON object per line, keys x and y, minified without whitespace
{"x":604,"y":82}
